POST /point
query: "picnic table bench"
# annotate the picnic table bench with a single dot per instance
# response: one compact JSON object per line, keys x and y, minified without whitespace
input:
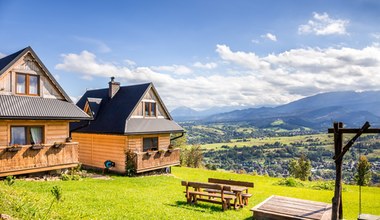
{"x":219,"y":196}
{"x":237,"y":189}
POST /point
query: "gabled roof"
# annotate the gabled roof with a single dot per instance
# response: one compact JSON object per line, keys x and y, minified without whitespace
{"x":114,"y":114}
{"x":94,"y":105}
{"x":26,"y":107}
{"x":8,"y":61}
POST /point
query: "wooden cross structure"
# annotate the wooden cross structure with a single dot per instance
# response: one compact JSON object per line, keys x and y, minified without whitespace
{"x":338,"y":131}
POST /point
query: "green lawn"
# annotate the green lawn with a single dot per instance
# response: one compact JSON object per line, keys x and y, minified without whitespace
{"x":156,"y":197}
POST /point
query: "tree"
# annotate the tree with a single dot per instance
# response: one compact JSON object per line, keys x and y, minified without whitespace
{"x":363,"y":175}
{"x":300,"y":168}
{"x":193,"y":157}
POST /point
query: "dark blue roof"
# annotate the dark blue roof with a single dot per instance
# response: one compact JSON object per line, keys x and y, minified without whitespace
{"x":113,"y":112}
{"x":8,"y":60}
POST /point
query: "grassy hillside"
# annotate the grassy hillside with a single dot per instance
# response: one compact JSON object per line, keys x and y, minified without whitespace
{"x":156,"y":197}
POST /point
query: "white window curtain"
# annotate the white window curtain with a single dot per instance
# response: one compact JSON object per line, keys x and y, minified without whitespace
{"x":18,"y":135}
{"x":36,"y":135}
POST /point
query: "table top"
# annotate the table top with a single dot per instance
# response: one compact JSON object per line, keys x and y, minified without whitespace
{"x":292,"y":208}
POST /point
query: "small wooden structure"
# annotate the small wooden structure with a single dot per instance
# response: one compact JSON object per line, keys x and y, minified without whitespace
{"x":338,"y":131}
{"x":285,"y":208}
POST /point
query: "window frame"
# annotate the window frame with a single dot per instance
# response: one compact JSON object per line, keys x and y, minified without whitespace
{"x":149,"y":105}
{"x":28,"y":136}
{"x":27,"y":84}
{"x":152,"y":142}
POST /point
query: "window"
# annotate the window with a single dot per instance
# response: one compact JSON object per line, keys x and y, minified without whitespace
{"x":26,"y":135}
{"x":150,"y":109}
{"x":27,"y":84}
{"x":150,"y":144}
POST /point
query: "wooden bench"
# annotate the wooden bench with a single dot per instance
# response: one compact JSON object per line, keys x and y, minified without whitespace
{"x":244,"y":196}
{"x":218,"y":197}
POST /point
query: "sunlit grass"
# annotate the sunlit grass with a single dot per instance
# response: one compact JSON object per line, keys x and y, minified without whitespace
{"x":157,"y":197}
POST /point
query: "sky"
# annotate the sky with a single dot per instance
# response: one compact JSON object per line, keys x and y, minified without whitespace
{"x":202,"y":53}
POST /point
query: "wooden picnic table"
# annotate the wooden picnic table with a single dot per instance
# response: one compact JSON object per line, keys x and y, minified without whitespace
{"x":238,"y":190}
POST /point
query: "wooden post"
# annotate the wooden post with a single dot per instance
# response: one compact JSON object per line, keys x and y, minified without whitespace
{"x":336,"y":204}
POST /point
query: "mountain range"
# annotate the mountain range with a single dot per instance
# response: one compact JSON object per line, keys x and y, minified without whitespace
{"x":317,"y":112}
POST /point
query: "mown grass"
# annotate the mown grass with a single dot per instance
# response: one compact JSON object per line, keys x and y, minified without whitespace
{"x":157,"y":197}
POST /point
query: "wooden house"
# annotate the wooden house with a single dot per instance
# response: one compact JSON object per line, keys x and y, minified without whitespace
{"x":35,"y":113}
{"x":126,"y":118}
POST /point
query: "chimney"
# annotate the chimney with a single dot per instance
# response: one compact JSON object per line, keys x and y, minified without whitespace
{"x":113,"y":87}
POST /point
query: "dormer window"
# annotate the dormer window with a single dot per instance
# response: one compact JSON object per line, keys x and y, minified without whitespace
{"x":150,"y":109}
{"x":27,"y":84}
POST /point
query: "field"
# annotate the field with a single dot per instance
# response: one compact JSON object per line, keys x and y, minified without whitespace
{"x":324,"y":138}
{"x":157,"y":197}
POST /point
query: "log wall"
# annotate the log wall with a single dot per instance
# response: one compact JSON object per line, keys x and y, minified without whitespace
{"x":95,"y":149}
{"x":27,"y":160}
{"x":54,"y":131}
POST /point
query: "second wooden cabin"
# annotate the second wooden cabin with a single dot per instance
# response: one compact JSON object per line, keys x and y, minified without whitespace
{"x":126,"y":118}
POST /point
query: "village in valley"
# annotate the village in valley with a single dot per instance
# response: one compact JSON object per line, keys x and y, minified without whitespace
{"x":124,"y":112}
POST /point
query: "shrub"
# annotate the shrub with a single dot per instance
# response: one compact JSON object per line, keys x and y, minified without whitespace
{"x":9,"y":180}
{"x":130,"y":168}
{"x":291,"y":182}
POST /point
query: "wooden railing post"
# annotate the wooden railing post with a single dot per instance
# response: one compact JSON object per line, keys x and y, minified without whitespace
{"x":338,"y":145}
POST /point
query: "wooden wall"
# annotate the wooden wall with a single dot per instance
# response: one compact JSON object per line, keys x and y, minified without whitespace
{"x":55,"y":131}
{"x":28,"y":64}
{"x":94,"y":149}
{"x":27,"y":160}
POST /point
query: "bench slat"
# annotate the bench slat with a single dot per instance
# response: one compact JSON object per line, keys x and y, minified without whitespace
{"x":231,"y":182}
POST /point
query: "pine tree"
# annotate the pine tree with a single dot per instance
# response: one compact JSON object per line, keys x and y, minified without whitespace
{"x":364,"y":171}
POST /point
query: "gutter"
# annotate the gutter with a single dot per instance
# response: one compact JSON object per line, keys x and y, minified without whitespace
{"x":80,"y":127}
{"x":183,"y":133}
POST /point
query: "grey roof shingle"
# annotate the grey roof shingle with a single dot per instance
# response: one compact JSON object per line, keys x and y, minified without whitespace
{"x":147,"y":125}
{"x":38,"y":108}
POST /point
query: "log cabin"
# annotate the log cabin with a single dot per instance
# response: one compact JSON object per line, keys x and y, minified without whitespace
{"x":126,"y":119}
{"x":35,"y":113}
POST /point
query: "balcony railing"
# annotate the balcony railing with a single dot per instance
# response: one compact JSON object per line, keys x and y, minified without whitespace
{"x":146,"y":161}
{"x":30,"y":159}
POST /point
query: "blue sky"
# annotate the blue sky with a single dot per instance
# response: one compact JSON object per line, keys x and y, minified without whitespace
{"x":202,"y":53}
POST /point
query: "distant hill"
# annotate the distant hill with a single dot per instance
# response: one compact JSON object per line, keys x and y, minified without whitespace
{"x":184,"y":113}
{"x":318,"y":111}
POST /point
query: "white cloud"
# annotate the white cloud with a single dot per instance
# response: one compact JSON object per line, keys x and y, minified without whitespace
{"x":376,"y":36}
{"x":130,"y":62}
{"x":100,"y":45}
{"x":322,"y":24}
{"x":269,"y":36}
{"x":205,"y":65}
{"x":263,"y":80}
{"x":255,"y":41}
{"x":176,"y":69}
{"x":2,"y":55}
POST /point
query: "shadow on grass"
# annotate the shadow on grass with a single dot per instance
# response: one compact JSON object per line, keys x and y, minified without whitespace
{"x":199,"y":207}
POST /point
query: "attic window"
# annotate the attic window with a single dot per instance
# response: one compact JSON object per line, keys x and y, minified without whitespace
{"x":27,"y":84}
{"x":150,"y":109}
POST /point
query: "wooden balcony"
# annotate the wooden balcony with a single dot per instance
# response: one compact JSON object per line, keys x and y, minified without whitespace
{"x":155,"y":160}
{"x":27,"y":159}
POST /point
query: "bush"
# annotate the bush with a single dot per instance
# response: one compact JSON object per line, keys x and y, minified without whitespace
{"x":130,"y":168}
{"x":291,"y":182}
{"x":9,"y":180}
